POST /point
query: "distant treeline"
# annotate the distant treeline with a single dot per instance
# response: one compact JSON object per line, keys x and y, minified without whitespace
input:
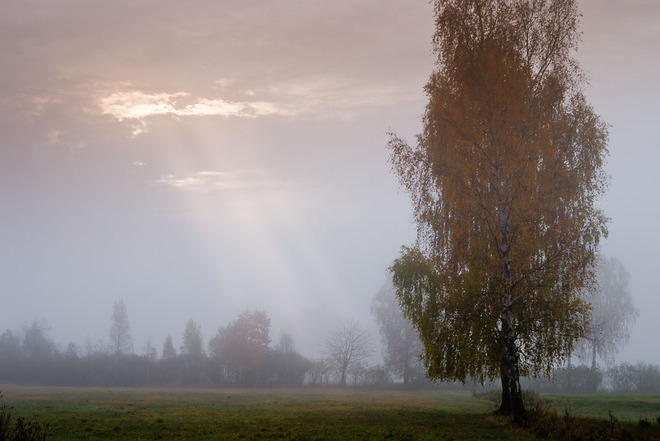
{"x":132,"y":370}
{"x":274,"y":368}
{"x":239,"y":354}
{"x":640,"y":378}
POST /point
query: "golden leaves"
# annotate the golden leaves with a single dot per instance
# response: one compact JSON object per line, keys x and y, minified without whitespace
{"x":504,"y":182}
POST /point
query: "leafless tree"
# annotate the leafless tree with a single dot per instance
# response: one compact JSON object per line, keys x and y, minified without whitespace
{"x":346,"y":346}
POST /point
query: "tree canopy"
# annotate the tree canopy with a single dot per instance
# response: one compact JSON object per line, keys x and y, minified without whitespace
{"x":504,"y":181}
{"x":243,"y":344}
{"x":192,"y":340}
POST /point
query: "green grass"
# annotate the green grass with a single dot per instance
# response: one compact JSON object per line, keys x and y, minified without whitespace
{"x":303,"y":414}
{"x":623,"y":407}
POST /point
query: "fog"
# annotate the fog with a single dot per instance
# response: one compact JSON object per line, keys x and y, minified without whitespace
{"x":200,"y":160}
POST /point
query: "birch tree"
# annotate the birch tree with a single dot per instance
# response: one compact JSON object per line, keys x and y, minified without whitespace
{"x":504,"y":181}
{"x":612,"y":312}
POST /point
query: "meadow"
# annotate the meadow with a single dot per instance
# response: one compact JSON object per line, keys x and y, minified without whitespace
{"x":296,"y":414}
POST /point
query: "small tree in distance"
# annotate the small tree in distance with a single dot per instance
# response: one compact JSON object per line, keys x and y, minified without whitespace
{"x":347,"y":346}
{"x":36,"y":344}
{"x":612,"y":315}
{"x":401,"y":344}
{"x":121,"y":340}
{"x":242,"y":345}
{"x":192,"y":340}
{"x":168,"y":348}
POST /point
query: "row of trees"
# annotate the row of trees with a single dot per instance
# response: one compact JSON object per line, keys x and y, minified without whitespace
{"x":238,"y":354}
{"x":639,"y":379}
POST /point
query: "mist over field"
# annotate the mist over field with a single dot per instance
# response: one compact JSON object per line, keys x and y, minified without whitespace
{"x":202,"y":160}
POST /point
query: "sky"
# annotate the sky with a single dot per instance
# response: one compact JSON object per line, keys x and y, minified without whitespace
{"x":202,"y":159}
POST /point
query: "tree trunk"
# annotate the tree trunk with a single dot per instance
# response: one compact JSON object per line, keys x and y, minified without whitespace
{"x":518,"y":412}
{"x":512,"y":400}
{"x":511,"y":380}
{"x":406,"y":360}
{"x":344,"y":368}
{"x":593,"y":382}
{"x":505,"y":406}
{"x":593,"y":356}
{"x":570,"y":374}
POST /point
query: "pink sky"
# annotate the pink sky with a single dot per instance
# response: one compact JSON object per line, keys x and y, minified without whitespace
{"x":203,"y":158}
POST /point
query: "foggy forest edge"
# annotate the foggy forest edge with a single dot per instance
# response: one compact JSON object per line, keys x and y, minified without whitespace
{"x":242,"y":354}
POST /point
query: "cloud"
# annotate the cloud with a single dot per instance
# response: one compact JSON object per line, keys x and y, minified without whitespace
{"x":227,"y":108}
{"x":137,"y":106}
{"x":338,"y":95}
{"x":60,"y":138}
{"x":209,"y":181}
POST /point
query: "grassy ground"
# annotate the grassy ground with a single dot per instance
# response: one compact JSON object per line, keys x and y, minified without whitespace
{"x":304,"y":414}
{"x":623,"y":407}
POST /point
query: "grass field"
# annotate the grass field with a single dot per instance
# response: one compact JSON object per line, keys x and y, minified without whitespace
{"x":303,"y":414}
{"x":624,"y":407}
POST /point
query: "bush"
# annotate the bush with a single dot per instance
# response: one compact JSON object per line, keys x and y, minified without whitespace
{"x":21,"y":430}
{"x":578,"y":379}
{"x":641,"y":378}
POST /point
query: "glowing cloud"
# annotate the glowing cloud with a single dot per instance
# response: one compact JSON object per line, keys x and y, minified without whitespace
{"x":137,"y":106}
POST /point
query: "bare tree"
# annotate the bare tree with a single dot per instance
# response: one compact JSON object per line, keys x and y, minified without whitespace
{"x":613,"y":313}
{"x":346,"y":346}
{"x":121,"y":340}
